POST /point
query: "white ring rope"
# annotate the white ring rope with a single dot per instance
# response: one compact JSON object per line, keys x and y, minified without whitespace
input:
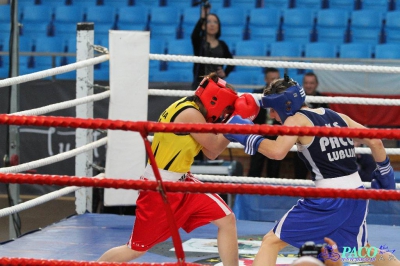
{"x":40,"y":200}
{"x":53,"y":159}
{"x":65,"y":105}
{"x":53,"y":71}
{"x":277,"y":64}
{"x":313,"y":99}
{"x":358,"y":150}
{"x":263,"y":180}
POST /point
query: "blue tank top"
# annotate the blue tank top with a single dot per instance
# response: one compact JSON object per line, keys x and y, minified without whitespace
{"x":328,"y":157}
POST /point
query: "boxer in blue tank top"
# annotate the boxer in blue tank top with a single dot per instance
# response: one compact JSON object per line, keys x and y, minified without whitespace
{"x":332,"y":163}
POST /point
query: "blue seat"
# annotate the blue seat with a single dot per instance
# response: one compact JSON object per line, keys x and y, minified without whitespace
{"x":102,"y":30}
{"x":265,"y":17}
{"x":84,"y":3}
{"x":171,"y":75}
{"x":287,"y":49}
{"x":332,"y":25}
{"x":387,"y":51}
{"x":49,"y":44}
{"x":5,"y":28}
{"x":355,"y":50}
{"x":157,"y":47}
{"x":179,"y":47}
{"x":378,"y":5}
{"x":232,"y":16}
{"x":119,"y":4}
{"x":66,"y":30}
{"x":5,"y":13}
{"x":71,"y":45}
{"x":320,"y":49}
{"x":312,"y":4}
{"x":246,"y":78}
{"x":36,"y":13}
{"x":164,"y":16}
{"x":133,"y":18}
{"x":33,"y":29}
{"x":150,"y":3}
{"x":68,"y":14}
{"x":24,"y":3}
{"x":366,"y":26}
{"x":348,"y":5}
{"x":166,"y":33}
{"x":25,"y":44}
{"x":245,"y":4}
{"x":101,"y":14}
{"x":298,"y":25}
{"x":232,"y":33}
{"x":178,"y":3}
{"x":52,"y":3}
{"x":251,"y":48}
{"x":282,"y":4}
{"x":392,"y":27}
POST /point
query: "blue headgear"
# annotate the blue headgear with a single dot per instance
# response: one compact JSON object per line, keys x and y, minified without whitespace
{"x":286,"y":103}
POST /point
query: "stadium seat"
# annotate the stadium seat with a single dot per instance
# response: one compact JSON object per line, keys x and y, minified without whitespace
{"x":33,"y":29}
{"x":52,"y":3}
{"x":5,"y":28}
{"x":179,"y":47}
{"x":71,"y":45}
{"x":355,"y":50}
{"x":251,"y":48}
{"x":387,"y":51}
{"x":378,"y":5}
{"x":366,"y":26}
{"x":178,"y":3}
{"x":171,"y":75}
{"x":245,"y":4}
{"x":232,"y":16}
{"x":5,"y":13}
{"x":288,"y":49}
{"x":348,"y":5}
{"x":133,"y":17}
{"x":84,"y":3}
{"x":392,"y":27}
{"x":165,"y":15}
{"x":49,"y":44}
{"x":23,"y":3}
{"x":298,"y":25}
{"x":68,"y":14}
{"x":101,"y":14}
{"x":157,"y":47}
{"x":66,"y":30}
{"x":332,"y":25}
{"x":320,"y":50}
{"x":282,"y":4}
{"x":150,"y":3}
{"x":245,"y":78}
{"x":37,"y":13}
{"x":119,"y":4}
{"x":190,"y":16}
{"x":25,"y":44}
{"x":312,"y":4}
{"x":264,"y":24}
{"x":102,"y":30}
{"x":232,"y":33}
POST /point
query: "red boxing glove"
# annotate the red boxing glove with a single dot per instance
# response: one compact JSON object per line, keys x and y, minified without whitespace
{"x":247,"y":106}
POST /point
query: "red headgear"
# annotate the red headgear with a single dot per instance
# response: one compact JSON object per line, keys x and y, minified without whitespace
{"x":217,"y":99}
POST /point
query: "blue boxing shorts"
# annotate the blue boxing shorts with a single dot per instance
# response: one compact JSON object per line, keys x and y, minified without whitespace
{"x":311,"y":219}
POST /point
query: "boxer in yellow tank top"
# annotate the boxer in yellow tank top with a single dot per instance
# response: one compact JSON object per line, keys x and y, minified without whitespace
{"x":214,"y":101}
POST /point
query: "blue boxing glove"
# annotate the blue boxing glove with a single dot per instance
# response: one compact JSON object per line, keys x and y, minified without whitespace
{"x":383,"y":176}
{"x":250,"y":142}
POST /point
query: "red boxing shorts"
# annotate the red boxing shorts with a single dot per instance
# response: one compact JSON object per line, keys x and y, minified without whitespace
{"x":191,"y":210}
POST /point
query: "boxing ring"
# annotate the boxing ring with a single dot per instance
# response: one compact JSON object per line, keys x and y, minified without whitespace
{"x":82,"y":238}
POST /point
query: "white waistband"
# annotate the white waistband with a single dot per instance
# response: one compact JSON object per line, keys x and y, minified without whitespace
{"x":348,"y":181}
{"x":165,"y":175}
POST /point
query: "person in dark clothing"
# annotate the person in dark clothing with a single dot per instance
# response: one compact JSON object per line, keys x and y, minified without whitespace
{"x":310,"y":85}
{"x":257,"y":161}
{"x":206,"y":42}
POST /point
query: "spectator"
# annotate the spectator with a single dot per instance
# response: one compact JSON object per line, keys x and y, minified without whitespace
{"x":206,"y":42}
{"x":310,"y":85}
{"x":258,"y":160}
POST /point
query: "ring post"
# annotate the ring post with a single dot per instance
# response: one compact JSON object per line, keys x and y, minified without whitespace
{"x":84,"y":87}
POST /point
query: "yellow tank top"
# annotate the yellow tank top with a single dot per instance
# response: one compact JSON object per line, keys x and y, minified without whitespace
{"x":175,"y":152}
